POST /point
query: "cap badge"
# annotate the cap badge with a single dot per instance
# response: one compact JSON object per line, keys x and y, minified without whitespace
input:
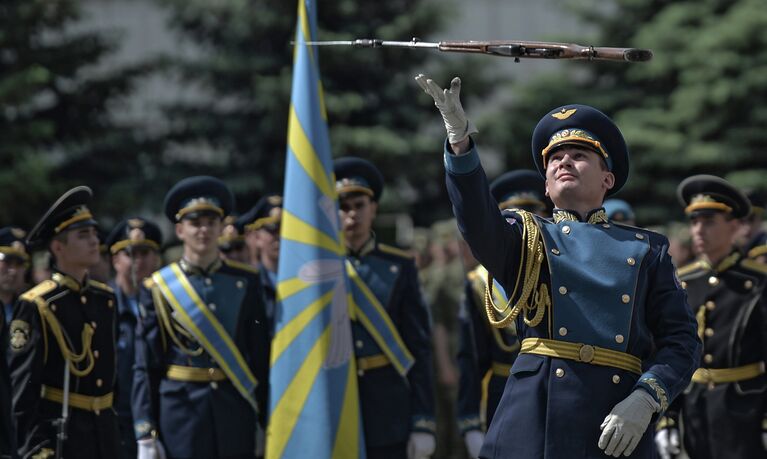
{"x":564,"y":113}
{"x":136,"y":223}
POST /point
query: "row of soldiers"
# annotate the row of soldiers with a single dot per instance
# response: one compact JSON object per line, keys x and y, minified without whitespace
{"x":174,"y":362}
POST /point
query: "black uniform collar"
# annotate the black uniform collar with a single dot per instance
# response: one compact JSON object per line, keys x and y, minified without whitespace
{"x":189,"y":268}
{"x":594,"y":216}
{"x":366,"y":248}
{"x":65,"y":280}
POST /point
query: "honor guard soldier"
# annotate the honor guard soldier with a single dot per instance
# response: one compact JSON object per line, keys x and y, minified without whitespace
{"x":397,"y":406}
{"x":486,"y":353}
{"x":232,"y":240}
{"x":755,"y":238}
{"x":62,"y":351}
{"x":607,"y":340}
{"x":135,"y":247}
{"x":723,"y":411}
{"x":619,"y":211}
{"x":14,"y":263}
{"x":262,"y":223}
{"x":202,"y":354}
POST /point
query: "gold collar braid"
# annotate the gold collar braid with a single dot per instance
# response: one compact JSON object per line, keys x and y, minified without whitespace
{"x":530,"y":300}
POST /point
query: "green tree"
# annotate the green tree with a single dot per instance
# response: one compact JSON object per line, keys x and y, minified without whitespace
{"x":244,"y":66}
{"x":55,"y":123}
{"x":692,"y":109}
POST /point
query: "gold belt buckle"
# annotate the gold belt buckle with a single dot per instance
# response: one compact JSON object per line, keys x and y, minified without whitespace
{"x":586,"y":353}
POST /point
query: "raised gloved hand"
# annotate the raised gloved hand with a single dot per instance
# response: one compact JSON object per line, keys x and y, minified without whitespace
{"x":449,"y":104}
{"x":473,"y":440}
{"x":421,"y":445}
{"x":623,"y":428}
{"x":150,"y":448}
{"x":667,"y":442}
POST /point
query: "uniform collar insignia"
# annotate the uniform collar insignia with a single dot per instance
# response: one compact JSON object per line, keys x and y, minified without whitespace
{"x":594,"y":217}
{"x":728,"y":262}
{"x":192,"y":269}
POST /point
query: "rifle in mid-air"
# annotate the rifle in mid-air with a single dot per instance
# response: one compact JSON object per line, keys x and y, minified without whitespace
{"x":510,"y":48}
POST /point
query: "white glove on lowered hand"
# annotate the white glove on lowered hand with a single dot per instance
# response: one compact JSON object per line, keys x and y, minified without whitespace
{"x":667,"y":442}
{"x":623,"y":428}
{"x":764,"y":440}
{"x":449,"y":104}
{"x":421,"y":445}
{"x":473,"y":440}
{"x":150,"y":448}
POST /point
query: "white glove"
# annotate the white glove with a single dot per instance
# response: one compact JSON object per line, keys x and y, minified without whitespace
{"x":260,"y":441}
{"x":150,"y":448}
{"x":667,"y":442}
{"x":623,"y":428}
{"x":473,"y":440}
{"x":449,"y":104}
{"x":764,"y":440}
{"x":421,"y":445}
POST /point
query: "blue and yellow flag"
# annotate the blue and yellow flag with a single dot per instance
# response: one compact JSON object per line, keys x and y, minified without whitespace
{"x":314,"y":407}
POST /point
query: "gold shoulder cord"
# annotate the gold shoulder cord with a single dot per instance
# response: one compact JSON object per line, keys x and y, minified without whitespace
{"x":530,"y":266}
{"x":49,"y":319}
{"x":172,"y":326}
{"x":479,"y":288}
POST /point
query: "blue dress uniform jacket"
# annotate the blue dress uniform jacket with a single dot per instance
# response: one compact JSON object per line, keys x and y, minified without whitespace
{"x":485,"y":356}
{"x":37,"y":368}
{"x":604,"y":285}
{"x":196,"y":412}
{"x":392,"y":406}
{"x":127,"y":321}
{"x":723,"y":418}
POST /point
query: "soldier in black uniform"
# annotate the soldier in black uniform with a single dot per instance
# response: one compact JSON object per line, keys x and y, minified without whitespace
{"x":397,"y":404}
{"x":202,"y":353}
{"x":135,"y":247}
{"x":62,"y":335}
{"x":487,"y":353}
{"x":262,"y":222}
{"x":723,"y":411}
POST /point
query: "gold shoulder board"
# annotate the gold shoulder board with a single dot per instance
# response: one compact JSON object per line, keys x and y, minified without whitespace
{"x":39,"y":290}
{"x":757,"y":251}
{"x":754,"y":265}
{"x":691,"y":268}
{"x":100,"y":286}
{"x":242,"y":266}
{"x":148,"y":283}
{"x":394,"y":251}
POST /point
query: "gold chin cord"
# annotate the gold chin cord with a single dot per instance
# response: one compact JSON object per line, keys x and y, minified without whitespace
{"x":534,"y":298}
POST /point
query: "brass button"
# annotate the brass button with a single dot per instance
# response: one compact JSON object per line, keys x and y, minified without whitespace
{"x":566,"y":229}
{"x":97,"y":412}
{"x":708,"y":358}
{"x":748,"y":284}
{"x":560,"y":372}
{"x":110,"y":303}
{"x":709,"y":332}
{"x":619,"y":339}
{"x":562,"y":331}
{"x":208,"y":281}
{"x":211,"y":372}
{"x":684,"y":285}
{"x":586,"y":353}
{"x":625,"y":298}
{"x":360,"y":372}
{"x":83,"y":300}
{"x":606,"y":225}
{"x":214,"y":385}
{"x":394,"y":268}
{"x":53,"y":307}
{"x":99,"y":382}
{"x":713,"y":280}
{"x":711,"y":386}
{"x":710,"y":305}
{"x":240,"y":284}
{"x":555,"y":251}
{"x":631,"y":261}
{"x":639,"y":236}
{"x":563,"y":290}
{"x":359,"y":344}
{"x":616,"y":379}
{"x":96,"y":354}
{"x":93,"y":324}
{"x":212,"y":306}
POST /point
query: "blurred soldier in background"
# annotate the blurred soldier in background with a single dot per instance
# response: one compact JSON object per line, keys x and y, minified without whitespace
{"x":487,"y":353}
{"x":102,"y":271}
{"x":14,"y":263}
{"x":232,"y":240}
{"x":135,"y":247}
{"x":62,"y":343}
{"x":753,"y":237}
{"x":202,"y":354}
{"x":619,"y":211}
{"x":723,"y":413}
{"x":397,"y":406}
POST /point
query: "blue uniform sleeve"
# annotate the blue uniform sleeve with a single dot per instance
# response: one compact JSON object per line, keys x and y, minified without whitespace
{"x":493,"y":240}
{"x":677,"y":347}
{"x":149,"y":353}
{"x":473,"y":361}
